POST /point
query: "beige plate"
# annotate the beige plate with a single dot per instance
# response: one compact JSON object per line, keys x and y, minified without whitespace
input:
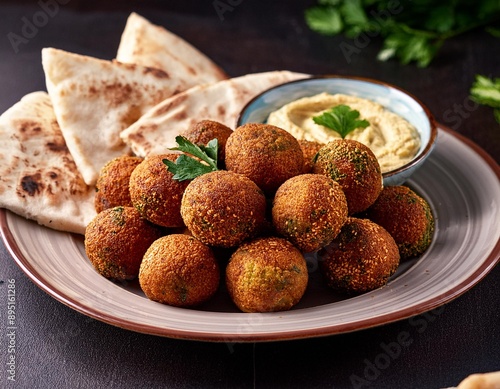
{"x":460,"y":182}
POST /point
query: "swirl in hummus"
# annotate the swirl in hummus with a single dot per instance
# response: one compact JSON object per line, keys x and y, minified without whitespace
{"x":393,"y":140}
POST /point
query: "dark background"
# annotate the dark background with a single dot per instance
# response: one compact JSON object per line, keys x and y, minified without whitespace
{"x":60,"y":348}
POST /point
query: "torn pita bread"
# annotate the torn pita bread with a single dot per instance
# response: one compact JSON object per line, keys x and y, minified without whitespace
{"x":38,"y":176}
{"x":147,"y":44}
{"x":94,"y":100}
{"x":155,"y":132}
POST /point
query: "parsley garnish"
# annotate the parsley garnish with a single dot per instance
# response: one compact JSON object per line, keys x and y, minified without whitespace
{"x":341,"y":119}
{"x":486,"y":91}
{"x":412,"y":31}
{"x":186,"y":167}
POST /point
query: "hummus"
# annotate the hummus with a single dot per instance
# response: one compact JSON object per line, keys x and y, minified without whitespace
{"x":393,"y":140}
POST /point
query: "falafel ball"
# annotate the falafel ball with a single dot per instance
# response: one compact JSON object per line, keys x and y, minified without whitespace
{"x":354,"y":166}
{"x":116,"y":240}
{"x":179,"y":270}
{"x":266,"y":275}
{"x":155,"y":193}
{"x":266,"y":154}
{"x":309,"y":149}
{"x":223,"y":208}
{"x":406,"y":216}
{"x":309,"y":210}
{"x":361,"y":258}
{"x":112,"y":186}
{"x":206,"y":130}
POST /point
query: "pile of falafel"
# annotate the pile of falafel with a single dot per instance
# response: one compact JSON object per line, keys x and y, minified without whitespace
{"x":273,"y":200}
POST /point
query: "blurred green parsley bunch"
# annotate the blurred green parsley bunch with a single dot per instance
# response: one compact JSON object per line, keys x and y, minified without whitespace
{"x":412,"y":31}
{"x":486,"y":91}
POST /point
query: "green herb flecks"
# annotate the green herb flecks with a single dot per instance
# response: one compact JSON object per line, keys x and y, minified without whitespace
{"x":486,"y":91}
{"x":341,"y":119}
{"x":186,"y":167}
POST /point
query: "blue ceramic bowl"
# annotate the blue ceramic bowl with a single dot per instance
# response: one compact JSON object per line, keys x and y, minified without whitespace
{"x":391,"y":97}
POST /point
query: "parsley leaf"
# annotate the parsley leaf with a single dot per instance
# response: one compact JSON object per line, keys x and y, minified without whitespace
{"x":409,"y":48}
{"x":486,"y":91}
{"x":341,"y":119}
{"x":493,"y":31}
{"x":441,"y":18}
{"x":186,"y":167}
{"x":412,"y":31}
{"x":325,"y":20}
{"x":355,"y":18}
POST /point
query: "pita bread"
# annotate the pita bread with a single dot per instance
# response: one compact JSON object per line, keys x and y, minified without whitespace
{"x":147,"y":44}
{"x":94,"y":100}
{"x":155,"y":132}
{"x":38,"y":176}
{"x":481,"y":381}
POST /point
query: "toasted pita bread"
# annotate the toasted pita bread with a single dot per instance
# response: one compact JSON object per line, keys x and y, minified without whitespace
{"x":155,"y":132}
{"x":481,"y":381}
{"x":147,"y":44}
{"x":38,"y":176}
{"x":94,"y":100}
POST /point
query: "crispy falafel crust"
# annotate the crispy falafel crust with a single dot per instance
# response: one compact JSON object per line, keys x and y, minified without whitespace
{"x":309,"y":149}
{"x":354,"y":166}
{"x":154,"y":192}
{"x":116,"y":240}
{"x":112,"y":186}
{"x":266,"y":154}
{"x":206,"y":130}
{"x":266,"y":275}
{"x":179,"y":270}
{"x":223,"y":208}
{"x":361,"y":258}
{"x":406,"y":216}
{"x":309,"y":210}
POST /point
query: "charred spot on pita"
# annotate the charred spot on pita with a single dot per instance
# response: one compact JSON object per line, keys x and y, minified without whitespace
{"x":158,"y":73}
{"x":117,"y":93}
{"x":27,"y":128}
{"x":31,"y":127}
{"x":31,"y":184}
{"x":221,"y":110}
{"x":57,"y":147}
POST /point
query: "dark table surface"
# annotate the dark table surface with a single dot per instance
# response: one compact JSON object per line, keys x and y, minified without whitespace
{"x":57,"y":347}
